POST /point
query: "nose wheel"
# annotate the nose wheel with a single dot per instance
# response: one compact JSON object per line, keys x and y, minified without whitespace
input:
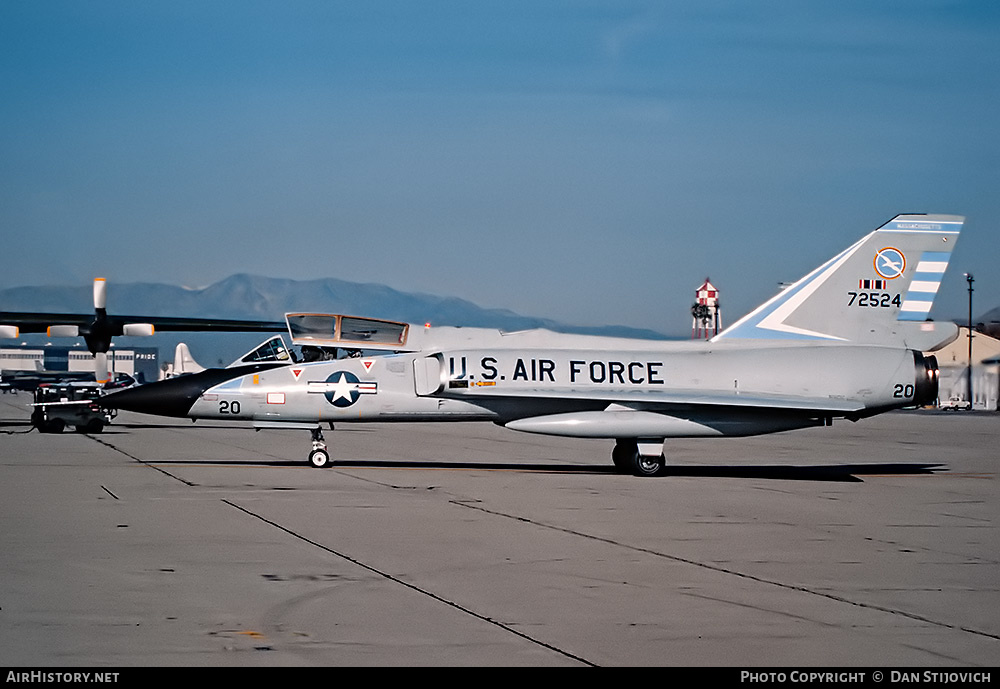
{"x":319,"y":457}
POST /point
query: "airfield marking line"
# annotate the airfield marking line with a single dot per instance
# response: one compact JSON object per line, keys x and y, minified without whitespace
{"x":140,"y":461}
{"x":397,"y":580}
{"x":733,"y":572}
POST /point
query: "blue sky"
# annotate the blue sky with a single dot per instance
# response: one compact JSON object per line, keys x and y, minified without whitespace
{"x":590,"y":162}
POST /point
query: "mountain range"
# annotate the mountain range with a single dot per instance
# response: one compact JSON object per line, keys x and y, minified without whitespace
{"x":254,"y":297}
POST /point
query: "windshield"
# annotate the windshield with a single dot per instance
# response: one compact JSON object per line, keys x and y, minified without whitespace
{"x":272,"y":350}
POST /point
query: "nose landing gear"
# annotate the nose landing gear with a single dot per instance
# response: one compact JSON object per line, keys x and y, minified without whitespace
{"x":319,"y":457}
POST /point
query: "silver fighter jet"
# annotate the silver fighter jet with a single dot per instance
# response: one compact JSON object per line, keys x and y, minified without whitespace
{"x":845,"y":341}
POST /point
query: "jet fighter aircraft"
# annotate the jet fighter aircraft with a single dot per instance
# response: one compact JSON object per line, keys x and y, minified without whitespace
{"x":844,"y":342}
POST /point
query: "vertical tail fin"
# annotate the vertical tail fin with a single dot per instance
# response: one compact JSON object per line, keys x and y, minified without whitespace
{"x":184,"y":362}
{"x":878,"y":291}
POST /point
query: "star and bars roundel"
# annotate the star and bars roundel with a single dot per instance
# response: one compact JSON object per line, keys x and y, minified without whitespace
{"x":343,"y":388}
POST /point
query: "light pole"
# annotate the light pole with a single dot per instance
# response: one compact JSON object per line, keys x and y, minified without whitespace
{"x":969,"y":279}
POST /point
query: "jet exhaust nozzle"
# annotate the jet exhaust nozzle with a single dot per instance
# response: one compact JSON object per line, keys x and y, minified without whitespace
{"x":926,"y":379}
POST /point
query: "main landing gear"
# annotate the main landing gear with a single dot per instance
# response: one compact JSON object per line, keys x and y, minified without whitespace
{"x":319,"y":457}
{"x":639,"y":458}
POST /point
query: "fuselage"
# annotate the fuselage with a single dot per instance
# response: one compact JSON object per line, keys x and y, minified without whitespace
{"x":604,"y":388}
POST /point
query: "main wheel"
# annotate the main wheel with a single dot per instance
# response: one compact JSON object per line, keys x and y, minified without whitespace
{"x":319,"y":458}
{"x":648,"y":465}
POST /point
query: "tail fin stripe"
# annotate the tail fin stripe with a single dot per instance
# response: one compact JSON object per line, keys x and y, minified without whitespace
{"x":767,"y":321}
{"x":937,"y":227}
{"x":924,"y":287}
{"x":942,"y":256}
{"x":914,"y":310}
{"x":920,"y":296}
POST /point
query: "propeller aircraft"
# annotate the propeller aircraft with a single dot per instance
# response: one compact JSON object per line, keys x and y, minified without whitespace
{"x":98,"y":329}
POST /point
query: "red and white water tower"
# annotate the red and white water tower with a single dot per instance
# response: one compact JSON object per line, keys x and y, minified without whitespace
{"x":706,"y":319}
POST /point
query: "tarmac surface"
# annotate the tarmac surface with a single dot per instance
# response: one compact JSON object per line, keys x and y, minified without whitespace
{"x":167,"y":543}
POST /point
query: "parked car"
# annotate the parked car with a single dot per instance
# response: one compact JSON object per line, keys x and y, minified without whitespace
{"x":956,"y":403}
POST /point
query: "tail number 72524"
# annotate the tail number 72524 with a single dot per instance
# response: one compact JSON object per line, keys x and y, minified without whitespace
{"x":874,"y":299}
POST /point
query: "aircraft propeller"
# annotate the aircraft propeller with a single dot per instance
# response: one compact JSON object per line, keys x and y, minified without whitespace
{"x":98,"y":329}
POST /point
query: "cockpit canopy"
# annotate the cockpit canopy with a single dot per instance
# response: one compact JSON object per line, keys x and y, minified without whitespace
{"x":324,"y":337}
{"x":351,"y":332}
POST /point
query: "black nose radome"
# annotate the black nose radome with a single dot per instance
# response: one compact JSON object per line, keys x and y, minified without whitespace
{"x":174,"y":396}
